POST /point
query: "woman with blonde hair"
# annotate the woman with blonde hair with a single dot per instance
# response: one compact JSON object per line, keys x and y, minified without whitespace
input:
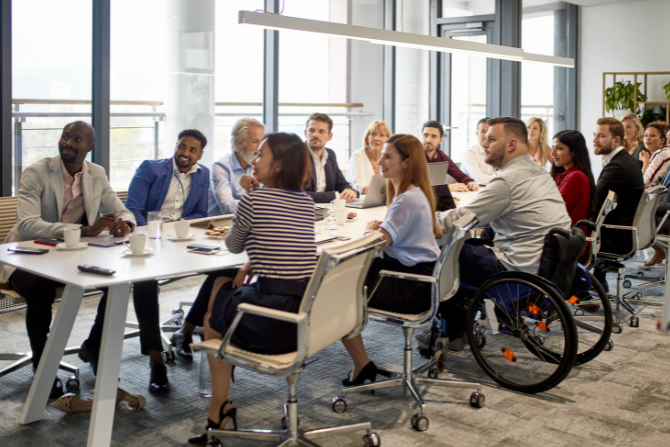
{"x":634,"y":136}
{"x":363,"y":162}
{"x":538,"y":146}
{"x":410,"y":230}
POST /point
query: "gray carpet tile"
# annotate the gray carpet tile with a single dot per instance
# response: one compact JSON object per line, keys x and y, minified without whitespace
{"x":622,"y":398}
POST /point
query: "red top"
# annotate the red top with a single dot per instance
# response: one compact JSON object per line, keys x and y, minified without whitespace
{"x":452,"y":170}
{"x":574,"y":186}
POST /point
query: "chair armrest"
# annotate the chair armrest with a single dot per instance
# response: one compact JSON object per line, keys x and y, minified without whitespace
{"x":261,"y":311}
{"x":619,"y":227}
{"x":658,"y":228}
{"x":588,"y":224}
{"x":408,"y":276}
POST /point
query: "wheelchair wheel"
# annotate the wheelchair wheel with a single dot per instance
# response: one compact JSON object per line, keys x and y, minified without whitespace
{"x":531,"y":338}
{"x":593,"y":319}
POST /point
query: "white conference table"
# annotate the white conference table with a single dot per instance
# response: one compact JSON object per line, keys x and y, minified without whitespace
{"x":168,"y":259}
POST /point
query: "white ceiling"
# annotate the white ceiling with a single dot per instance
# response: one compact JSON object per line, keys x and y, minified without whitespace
{"x":598,"y":2}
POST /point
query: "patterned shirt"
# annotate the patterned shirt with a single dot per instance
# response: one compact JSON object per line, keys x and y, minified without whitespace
{"x":73,"y":198}
{"x":276,"y":228}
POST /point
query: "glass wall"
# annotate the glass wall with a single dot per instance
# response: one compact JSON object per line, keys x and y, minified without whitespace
{"x":51,"y":71}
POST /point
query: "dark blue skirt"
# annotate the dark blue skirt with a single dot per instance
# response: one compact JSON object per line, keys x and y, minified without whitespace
{"x":260,"y":334}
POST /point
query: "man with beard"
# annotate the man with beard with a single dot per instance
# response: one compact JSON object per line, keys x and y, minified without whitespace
{"x":230,"y":173}
{"x":432,"y":136}
{"x":56,"y":194}
{"x":177,"y":188}
{"x":326,"y":177}
{"x":621,"y":173}
{"x":521,"y":204}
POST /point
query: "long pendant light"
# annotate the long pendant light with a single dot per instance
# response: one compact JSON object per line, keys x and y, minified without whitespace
{"x":396,"y":38}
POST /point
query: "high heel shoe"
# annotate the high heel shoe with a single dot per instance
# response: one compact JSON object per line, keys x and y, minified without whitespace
{"x":369,"y":372}
{"x":223,"y":417}
{"x":64,"y":403}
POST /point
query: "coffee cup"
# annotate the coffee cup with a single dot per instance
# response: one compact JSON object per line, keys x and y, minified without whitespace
{"x":181,"y":228}
{"x":72,"y":237}
{"x":339,"y":203}
{"x":137,"y":242}
{"x":341,"y":215}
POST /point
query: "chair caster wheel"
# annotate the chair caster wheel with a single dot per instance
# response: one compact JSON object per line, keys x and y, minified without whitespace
{"x":178,"y":311}
{"x":627,"y":284}
{"x":168,"y":356}
{"x":579,"y":313}
{"x":284,"y":423}
{"x":617,"y":328}
{"x":432,"y":373}
{"x":634,"y":322}
{"x":609,"y":346}
{"x":420,"y":422}
{"x":215,"y":443}
{"x":371,"y":440}
{"x":339,"y":405}
{"x":477,"y":400}
{"x":72,"y":384}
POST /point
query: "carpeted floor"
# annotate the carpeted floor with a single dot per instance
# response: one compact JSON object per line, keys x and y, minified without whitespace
{"x":622,"y":398}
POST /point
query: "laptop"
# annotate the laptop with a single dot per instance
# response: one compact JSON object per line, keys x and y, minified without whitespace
{"x":438,"y":173}
{"x":376,"y":195}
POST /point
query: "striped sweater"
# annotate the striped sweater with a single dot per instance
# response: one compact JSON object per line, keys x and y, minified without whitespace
{"x":276,"y":228}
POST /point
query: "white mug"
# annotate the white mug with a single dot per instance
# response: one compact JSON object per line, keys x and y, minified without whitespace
{"x":181,"y":228}
{"x":341,"y":215}
{"x":71,"y":237}
{"x":137,"y":242}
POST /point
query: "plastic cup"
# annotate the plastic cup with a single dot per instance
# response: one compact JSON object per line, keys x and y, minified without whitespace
{"x":341,"y":215}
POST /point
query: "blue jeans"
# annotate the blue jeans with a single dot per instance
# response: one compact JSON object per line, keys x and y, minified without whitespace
{"x":477,"y":264}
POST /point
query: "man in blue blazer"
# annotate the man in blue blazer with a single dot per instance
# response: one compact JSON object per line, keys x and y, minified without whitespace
{"x":177,"y":187}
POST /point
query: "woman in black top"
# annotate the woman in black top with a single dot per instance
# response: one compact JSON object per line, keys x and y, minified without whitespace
{"x":275,"y":225}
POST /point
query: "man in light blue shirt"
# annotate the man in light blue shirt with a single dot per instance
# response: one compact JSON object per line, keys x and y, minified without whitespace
{"x":225,"y":190}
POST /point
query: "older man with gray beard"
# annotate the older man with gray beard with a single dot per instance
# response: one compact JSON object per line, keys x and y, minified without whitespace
{"x":228,"y":174}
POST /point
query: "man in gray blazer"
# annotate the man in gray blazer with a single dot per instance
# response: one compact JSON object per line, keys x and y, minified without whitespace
{"x":56,"y":194}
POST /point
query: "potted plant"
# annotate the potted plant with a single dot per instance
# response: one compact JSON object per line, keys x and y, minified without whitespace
{"x":620,"y":98}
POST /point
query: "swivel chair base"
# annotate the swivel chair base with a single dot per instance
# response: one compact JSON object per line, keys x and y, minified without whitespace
{"x":620,"y":298}
{"x":410,"y":380}
{"x":26,"y":358}
{"x":291,"y":435}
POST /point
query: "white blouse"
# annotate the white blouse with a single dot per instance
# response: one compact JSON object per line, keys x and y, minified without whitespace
{"x":360,"y":170}
{"x":475,"y":166}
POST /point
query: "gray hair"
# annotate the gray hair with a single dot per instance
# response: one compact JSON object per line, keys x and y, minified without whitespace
{"x":240,"y":130}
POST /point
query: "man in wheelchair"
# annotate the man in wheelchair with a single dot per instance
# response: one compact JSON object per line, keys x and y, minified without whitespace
{"x":521,"y":204}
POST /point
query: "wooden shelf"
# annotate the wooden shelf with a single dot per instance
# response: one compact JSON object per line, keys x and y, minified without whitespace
{"x":635,"y":74}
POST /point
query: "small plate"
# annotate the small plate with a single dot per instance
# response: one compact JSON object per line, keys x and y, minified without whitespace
{"x":215,"y":237}
{"x":174,"y":238}
{"x":63,"y":247}
{"x":129,"y":254}
{"x":351,"y":220}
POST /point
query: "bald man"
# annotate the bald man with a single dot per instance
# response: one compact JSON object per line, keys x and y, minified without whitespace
{"x":56,"y":194}
{"x":521,"y":204}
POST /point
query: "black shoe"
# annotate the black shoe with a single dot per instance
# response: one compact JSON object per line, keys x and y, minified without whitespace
{"x":159,"y":381}
{"x":224,"y":418}
{"x":181,"y":343}
{"x":369,"y":372}
{"x":56,"y":389}
{"x":90,"y":357}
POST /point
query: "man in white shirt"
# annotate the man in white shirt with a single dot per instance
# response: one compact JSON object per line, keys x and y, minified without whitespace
{"x":326,"y":177}
{"x":225,"y":189}
{"x":474,"y":163}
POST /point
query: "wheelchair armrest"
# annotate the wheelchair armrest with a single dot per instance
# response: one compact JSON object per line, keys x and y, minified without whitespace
{"x":408,"y":276}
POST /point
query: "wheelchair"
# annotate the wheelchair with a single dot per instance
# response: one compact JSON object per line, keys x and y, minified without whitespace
{"x":527,"y":331}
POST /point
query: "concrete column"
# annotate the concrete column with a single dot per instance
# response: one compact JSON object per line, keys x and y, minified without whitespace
{"x":189,"y":99}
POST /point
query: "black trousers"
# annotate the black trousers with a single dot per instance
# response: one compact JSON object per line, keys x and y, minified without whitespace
{"x":196,"y":315}
{"x":40,"y":294}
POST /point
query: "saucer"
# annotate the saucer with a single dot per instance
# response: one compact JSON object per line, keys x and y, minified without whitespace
{"x":174,"y":238}
{"x":129,"y":254}
{"x":63,"y":247}
{"x":351,"y":220}
{"x":208,"y":236}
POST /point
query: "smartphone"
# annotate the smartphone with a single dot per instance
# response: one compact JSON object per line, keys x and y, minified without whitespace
{"x":201,"y":251}
{"x":203,"y":247}
{"x":28,"y":251}
{"x":95,"y":270}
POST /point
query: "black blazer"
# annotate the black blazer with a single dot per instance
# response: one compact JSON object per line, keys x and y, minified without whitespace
{"x":334,"y":180}
{"x":623,"y":176}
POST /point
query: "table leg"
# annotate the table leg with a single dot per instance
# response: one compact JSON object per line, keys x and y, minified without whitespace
{"x":53,"y":353}
{"x":106,"y":382}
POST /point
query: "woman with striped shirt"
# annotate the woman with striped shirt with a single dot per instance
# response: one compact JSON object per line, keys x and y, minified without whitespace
{"x":275,"y":225}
